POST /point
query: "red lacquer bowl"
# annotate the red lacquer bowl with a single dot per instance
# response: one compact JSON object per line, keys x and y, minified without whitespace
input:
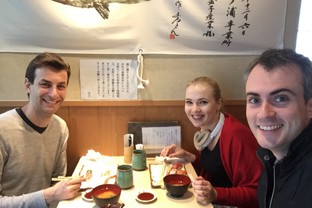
{"x":176,"y":184}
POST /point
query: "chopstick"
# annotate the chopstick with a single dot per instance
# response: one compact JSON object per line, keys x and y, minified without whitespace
{"x":61,"y":178}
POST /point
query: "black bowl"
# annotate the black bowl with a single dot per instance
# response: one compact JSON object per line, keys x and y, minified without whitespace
{"x":177,"y":184}
{"x":106,"y":194}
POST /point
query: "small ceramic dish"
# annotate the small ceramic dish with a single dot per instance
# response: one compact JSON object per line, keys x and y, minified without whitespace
{"x":146,"y":196}
{"x":87,"y":196}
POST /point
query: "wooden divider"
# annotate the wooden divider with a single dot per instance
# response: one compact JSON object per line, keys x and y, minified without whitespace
{"x":100,"y":125}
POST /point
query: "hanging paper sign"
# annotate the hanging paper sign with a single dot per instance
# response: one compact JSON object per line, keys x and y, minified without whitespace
{"x":108,"y":79}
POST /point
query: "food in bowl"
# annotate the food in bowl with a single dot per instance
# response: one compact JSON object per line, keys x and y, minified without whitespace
{"x":177,"y":184}
{"x":106,"y":194}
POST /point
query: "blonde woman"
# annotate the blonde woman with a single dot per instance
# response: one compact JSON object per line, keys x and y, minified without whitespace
{"x":229,"y":167}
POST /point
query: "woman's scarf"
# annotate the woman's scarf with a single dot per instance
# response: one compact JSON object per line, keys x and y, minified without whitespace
{"x":202,"y":138}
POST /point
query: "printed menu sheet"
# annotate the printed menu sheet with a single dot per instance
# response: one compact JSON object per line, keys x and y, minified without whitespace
{"x":156,"y":138}
{"x":108,"y":79}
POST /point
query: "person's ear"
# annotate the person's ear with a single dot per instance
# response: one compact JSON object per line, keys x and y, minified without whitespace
{"x":309,"y":108}
{"x":220,"y":103}
{"x":27,"y":85}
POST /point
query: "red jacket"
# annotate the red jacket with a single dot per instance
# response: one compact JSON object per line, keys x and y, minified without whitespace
{"x":238,"y":154}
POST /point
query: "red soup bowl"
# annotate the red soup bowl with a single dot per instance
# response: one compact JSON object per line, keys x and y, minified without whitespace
{"x":177,"y":184}
{"x":106,"y":194}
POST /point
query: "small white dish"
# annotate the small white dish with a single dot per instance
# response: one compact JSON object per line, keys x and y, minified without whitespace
{"x":87,"y":196}
{"x":146,"y":196}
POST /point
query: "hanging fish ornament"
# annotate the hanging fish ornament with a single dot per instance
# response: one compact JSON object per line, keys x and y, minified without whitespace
{"x":101,"y":6}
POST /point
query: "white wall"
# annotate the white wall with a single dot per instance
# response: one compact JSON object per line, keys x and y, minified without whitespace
{"x":167,"y":74}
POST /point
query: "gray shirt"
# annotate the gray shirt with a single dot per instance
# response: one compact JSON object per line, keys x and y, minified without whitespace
{"x":28,"y":159}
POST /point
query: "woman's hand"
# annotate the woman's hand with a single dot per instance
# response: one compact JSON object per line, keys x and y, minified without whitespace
{"x":206,"y":193}
{"x":170,"y":151}
{"x":176,"y":151}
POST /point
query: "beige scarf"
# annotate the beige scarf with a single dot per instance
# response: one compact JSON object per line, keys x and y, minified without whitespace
{"x":202,"y":139}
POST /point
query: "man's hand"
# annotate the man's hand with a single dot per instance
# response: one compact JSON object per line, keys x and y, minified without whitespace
{"x":66,"y":189}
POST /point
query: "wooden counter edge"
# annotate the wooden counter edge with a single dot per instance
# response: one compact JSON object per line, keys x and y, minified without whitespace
{"x":117,"y":103}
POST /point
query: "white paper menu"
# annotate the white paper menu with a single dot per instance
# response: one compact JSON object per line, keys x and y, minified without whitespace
{"x":102,"y":79}
{"x":156,"y":138}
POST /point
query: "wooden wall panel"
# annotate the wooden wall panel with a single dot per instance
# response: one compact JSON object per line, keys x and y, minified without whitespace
{"x":101,"y":125}
{"x":125,"y":115}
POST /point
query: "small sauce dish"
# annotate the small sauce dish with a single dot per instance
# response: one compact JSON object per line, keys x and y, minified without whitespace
{"x":146,"y":196}
{"x":87,"y":196}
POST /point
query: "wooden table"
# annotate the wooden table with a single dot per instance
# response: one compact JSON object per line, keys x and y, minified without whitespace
{"x":141,"y":182}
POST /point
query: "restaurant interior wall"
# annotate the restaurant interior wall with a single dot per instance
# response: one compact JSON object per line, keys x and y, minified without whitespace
{"x":101,"y":124}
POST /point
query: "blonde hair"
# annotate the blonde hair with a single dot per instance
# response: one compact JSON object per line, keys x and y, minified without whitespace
{"x":210,"y":82}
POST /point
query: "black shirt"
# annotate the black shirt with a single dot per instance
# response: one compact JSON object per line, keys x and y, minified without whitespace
{"x":212,"y":164}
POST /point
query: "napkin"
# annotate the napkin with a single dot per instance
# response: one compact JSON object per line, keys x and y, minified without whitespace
{"x":97,"y":169}
{"x":169,"y":160}
{"x":93,"y":155}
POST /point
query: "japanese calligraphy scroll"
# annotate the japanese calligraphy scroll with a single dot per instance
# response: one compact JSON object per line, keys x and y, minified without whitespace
{"x":156,"y":26}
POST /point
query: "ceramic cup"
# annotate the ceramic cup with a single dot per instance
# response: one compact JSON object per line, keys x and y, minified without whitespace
{"x":125,"y":176}
{"x":138,"y":160}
